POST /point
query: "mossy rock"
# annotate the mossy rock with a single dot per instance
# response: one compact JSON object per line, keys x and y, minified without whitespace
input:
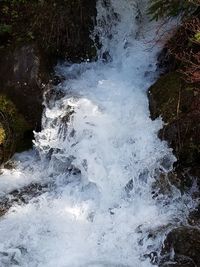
{"x":178,"y":103}
{"x":25,"y":74}
{"x":170,"y":97}
{"x":13,"y":130}
{"x":2,"y":134}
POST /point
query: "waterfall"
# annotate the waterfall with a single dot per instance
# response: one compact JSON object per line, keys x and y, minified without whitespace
{"x":99,"y":158}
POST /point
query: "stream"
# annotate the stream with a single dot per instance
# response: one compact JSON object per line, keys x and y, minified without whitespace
{"x":98,"y":159}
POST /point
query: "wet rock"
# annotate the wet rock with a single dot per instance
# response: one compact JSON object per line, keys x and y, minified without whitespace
{"x":166,"y":61}
{"x":57,"y":80}
{"x":14,"y":130}
{"x":153,"y":257}
{"x":164,"y":96}
{"x":161,"y":186}
{"x":24,"y":77}
{"x":194,"y":217}
{"x":179,"y":262}
{"x":60,"y":28}
{"x":182,"y":248}
{"x":178,"y":104}
{"x":52,"y":95}
{"x":22,"y":196}
{"x":64,"y":28}
{"x":38,"y":35}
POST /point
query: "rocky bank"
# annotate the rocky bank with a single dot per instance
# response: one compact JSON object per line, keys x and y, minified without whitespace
{"x":34,"y":35}
{"x":175,"y":97}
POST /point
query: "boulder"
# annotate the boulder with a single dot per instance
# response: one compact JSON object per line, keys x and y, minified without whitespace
{"x":178,"y":103}
{"x":24,"y":77}
{"x":181,"y":248}
{"x":14,"y":130}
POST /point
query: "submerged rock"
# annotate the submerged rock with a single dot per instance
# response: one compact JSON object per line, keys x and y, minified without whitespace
{"x":22,"y":196}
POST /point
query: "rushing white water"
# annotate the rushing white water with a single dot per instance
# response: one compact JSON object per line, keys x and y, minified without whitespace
{"x":100,"y":152}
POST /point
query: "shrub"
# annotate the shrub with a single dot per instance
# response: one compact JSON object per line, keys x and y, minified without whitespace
{"x":185,"y":47}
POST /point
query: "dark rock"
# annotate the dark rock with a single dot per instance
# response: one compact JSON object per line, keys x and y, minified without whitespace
{"x":61,"y":28}
{"x":22,"y":196}
{"x":178,"y":104}
{"x":153,"y":257}
{"x":24,"y":77}
{"x":180,"y":261}
{"x":194,"y":217}
{"x":65,"y":27}
{"x":37,"y":35}
{"x":14,"y":130}
{"x":164,"y":97}
{"x":57,"y":80}
{"x":182,"y":247}
{"x":6,"y":138}
{"x":166,"y":61}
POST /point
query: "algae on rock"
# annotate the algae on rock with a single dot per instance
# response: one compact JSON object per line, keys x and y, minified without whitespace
{"x":13,"y":129}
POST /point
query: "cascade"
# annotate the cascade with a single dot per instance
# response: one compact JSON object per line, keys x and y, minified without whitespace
{"x":98,"y":157}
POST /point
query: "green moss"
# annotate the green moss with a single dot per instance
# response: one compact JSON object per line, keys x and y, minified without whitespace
{"x":2,"y":134}
{"x":16,"y":120}
{"x":172,"y":97}
{"x":13,"y":128}
{"x":6,"y":106}
{"x":167,"y":9}
{"x":166,"y":96}
{"x":5,"y":28}
{"x":177,"y":103}
{"x":197,"y":37}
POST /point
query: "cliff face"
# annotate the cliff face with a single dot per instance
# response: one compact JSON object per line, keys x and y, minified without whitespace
{"x":33,"y":36}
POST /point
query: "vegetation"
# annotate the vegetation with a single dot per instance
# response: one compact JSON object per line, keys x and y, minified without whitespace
{"x":184,"y":46}
{"x":176,"y":94}
{"x":13,"y":128}
{"x":53,"y":24}
{"x":172,"y":8}
{"x":2,"y":134}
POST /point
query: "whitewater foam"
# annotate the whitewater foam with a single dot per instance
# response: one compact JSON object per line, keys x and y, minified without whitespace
{"x":100,"y":149}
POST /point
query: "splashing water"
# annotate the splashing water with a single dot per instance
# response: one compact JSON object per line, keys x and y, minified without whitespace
{"x":100,"y":153}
